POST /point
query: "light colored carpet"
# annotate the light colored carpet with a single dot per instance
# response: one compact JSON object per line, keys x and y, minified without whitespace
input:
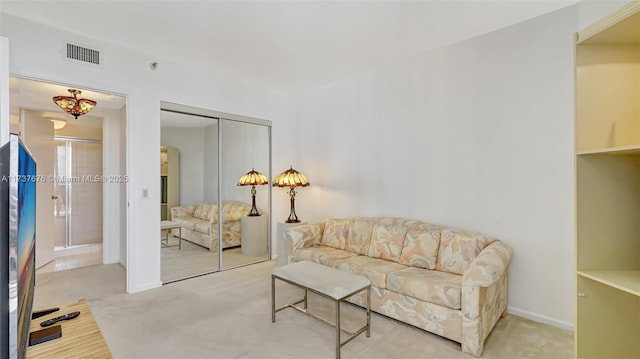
{"x":228,"y":315}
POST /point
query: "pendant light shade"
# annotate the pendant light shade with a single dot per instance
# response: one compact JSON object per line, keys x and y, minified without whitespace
{"x":74,"y":105}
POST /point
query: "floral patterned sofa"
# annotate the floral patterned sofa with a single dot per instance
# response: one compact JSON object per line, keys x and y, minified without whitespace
{"x":447,"y":281}
{"x":199,"y":223}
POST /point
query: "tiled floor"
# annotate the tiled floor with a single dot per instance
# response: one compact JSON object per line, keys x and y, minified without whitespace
{"x":72,"y":261}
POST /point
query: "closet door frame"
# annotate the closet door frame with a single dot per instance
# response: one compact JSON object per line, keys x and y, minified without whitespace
{"x":222,"y":117}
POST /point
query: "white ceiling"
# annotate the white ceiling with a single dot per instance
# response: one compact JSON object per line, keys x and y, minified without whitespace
{"x":289,"y":46}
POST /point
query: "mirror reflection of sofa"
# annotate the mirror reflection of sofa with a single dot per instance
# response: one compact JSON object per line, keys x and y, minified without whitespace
{"x":199,"y":223}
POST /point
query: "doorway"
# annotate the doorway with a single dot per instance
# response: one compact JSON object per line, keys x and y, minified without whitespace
{"x":78,"y":196}
{"x":87,"y":215}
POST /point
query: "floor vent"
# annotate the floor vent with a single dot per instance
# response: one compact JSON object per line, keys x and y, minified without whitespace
{"x":83,"y":54}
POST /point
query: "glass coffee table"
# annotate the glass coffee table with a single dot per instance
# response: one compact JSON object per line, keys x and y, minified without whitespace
{"x":333,"y":284}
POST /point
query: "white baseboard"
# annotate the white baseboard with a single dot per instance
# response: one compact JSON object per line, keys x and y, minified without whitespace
{"x":540,"y":318}
{"x":143,"y":287}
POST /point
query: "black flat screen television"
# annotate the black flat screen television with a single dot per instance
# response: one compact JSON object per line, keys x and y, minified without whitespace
{"x":17,"y":246}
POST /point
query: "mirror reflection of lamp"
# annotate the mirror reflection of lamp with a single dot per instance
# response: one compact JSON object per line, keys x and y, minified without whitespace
{"x":253,"y":178}
{"x":292,"y":179}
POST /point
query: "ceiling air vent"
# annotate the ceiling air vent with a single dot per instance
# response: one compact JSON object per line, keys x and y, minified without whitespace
{"x":83,"y":54}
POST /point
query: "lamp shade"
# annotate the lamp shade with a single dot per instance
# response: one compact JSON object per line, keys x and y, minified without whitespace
{"x":253,"y":178}
{"x":291,"y":178}
{"x":74,"y":105}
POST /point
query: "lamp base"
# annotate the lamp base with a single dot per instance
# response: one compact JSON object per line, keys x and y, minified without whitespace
{"x":293,"y":218}
{"x":254,"y":210}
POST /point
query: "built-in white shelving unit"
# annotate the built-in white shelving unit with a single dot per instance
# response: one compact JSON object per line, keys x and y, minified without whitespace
{"x":170,"y":180}
{"x":608,"y":187}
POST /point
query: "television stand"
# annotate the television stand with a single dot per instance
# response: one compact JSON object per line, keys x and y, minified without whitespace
{"x":81,"y":337}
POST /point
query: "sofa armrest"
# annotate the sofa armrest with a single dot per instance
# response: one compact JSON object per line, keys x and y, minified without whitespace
{"x":183,"y":211}
{"x":484,"y":295}
{"x":489,"y":266}
{"x":306,"y":235}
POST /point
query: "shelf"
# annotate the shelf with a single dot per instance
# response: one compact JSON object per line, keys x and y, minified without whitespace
{"x":620,"y":150}
{"x":628,"y":281}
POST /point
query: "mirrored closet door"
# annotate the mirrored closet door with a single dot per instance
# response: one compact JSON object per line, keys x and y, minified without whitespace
{"x":188,"y":186}
{"x":209,"y":222}
{"x":245,"y":151}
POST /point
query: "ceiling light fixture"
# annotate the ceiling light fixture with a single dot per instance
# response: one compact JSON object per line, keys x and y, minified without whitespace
{"x":74,"y":105}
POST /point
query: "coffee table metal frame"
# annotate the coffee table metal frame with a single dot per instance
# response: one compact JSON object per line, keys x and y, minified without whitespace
{"x":337,"y":300}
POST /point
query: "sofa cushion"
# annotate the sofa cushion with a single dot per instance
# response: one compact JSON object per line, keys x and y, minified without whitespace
{"x":233,"y":210}
{"x":458,"y":249}
{"x":387,"y":241}
{"x":322,"y":255}
{"x":421,"y":246}
{"x":235,"y":206}
{"x":335,"y":233}
{"x":202,"y":226}
{"x":179,"y":220}
{"x":190,"y":223}
{"x":374,"y":269}
{"x":359,"y":236}
{"x":182,"y":211}
{"x":432,"y":286}
{"x":202,"y":210}
{"x":232,"y":216}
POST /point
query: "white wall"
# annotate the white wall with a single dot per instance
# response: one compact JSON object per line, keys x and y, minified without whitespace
{"x":211,"y":163}
{"x":190,"y":143}
{"x":477,"y":135}
{"x":113,"y":211}
{"x":244,"y":147}
{"x":36,"y":51}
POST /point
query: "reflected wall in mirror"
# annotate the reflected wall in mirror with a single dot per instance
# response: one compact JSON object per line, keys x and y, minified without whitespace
{"x":211,"y":228}
{"x":244,"y":147}
{"x":189,"y":238}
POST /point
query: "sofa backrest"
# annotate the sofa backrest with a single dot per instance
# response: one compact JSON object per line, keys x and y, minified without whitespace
{"x":421,"y":246}
{"x":234,"y":210}
{"x":367,"y":235}
{"x":205,"y":210}
{"x":409,"y":242}
{"x":459,"y":248}
{"x":231,"y":210}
